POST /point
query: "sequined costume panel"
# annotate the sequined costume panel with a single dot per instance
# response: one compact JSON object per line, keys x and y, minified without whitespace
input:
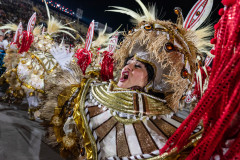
{"x":121,"y":134}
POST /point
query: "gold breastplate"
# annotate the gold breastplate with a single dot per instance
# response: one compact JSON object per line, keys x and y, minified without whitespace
{"x":125,"y":101}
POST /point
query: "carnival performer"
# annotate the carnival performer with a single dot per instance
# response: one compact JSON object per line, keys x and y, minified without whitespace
{"x":98,"y":48}
{"x":28,"y":60}
{"x":134,"y":117}
{"x":94,"y":58}
{"x":219,"y":108}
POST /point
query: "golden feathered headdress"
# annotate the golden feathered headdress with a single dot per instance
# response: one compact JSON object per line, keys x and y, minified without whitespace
{"x":169,"y":47}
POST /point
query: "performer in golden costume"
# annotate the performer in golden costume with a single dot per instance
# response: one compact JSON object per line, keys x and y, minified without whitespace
{"x":134,"y":117}
{"x":28,"y":59}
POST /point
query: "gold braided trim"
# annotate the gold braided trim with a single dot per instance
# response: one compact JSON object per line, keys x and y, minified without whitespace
{"x":43,"y":65}
{"x":27,"y":85}
{"x":61,"y":99}
{"x":66,"y":94}
{"x":81,"y":121}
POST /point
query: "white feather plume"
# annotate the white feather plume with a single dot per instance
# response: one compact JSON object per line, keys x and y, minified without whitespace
{"x":149,"y":14}
{"x":9,"y":27}
{"x":62,"y":55}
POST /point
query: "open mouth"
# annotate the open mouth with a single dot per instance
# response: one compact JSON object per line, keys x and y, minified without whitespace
{"x":124,"y":76}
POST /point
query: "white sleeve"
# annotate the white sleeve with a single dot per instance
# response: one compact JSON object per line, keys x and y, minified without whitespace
{"x":1,"y":45}
{"x":5,"y":43}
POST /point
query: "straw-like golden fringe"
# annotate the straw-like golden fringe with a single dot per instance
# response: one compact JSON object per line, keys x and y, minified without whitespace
{"x":204,"y":35}
{"x":149,"y":14}
{"x":54,"y":26}
{"x":102,"y":38}
{"x":187,"y":44}
{"x":55,"y":83}
{"x":11,"y":61}
{"x":78,"y":36}
{"x":37,"y":30}
{"x":173,"y":60}
{"x":9,"y":27}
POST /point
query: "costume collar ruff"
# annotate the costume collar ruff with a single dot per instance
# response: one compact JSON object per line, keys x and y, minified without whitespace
{"x":132,"y":102}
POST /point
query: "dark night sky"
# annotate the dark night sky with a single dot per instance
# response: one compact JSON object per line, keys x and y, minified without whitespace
{"x":95,"y":9}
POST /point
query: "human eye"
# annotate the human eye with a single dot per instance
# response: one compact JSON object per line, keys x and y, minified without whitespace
{"x":138,"y":66}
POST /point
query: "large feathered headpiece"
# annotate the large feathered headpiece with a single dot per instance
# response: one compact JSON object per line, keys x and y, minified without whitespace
{"x":171,"y":48}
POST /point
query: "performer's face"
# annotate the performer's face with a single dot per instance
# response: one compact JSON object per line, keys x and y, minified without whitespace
{"x":134,"y":74}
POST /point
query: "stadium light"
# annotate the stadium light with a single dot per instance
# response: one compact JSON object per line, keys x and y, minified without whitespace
{"x":58,"y":5}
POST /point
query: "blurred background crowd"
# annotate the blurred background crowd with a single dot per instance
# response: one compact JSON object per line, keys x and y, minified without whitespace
{"x":15,"y":11}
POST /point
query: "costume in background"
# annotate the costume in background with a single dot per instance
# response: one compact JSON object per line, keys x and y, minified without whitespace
{"x":28,"y":60}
